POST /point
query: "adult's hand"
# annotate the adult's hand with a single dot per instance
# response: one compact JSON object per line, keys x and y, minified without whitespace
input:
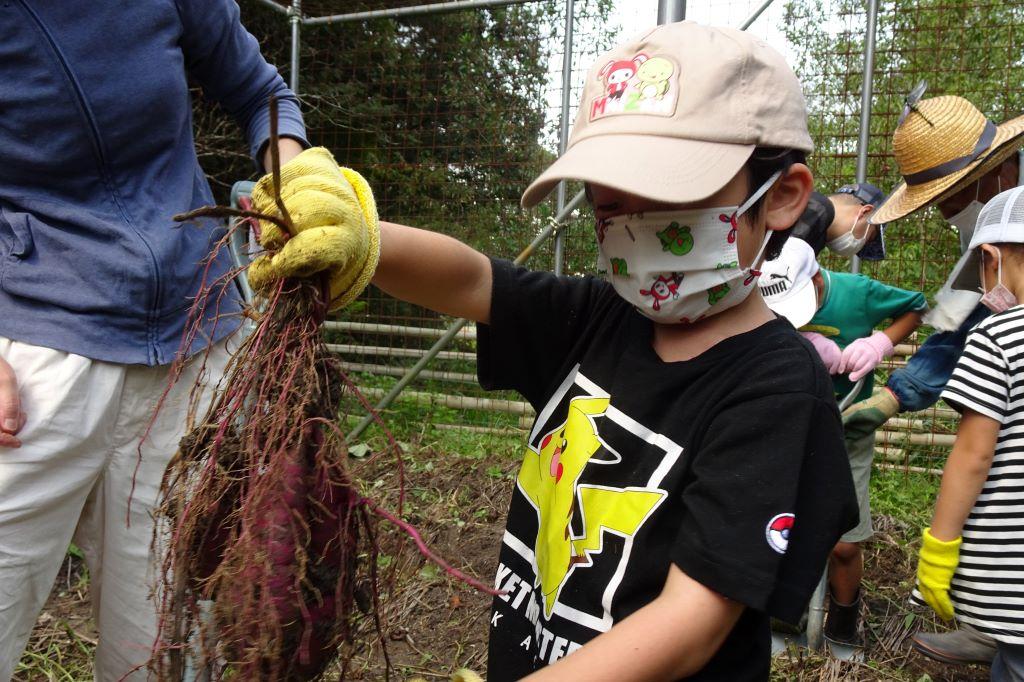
{"x":11,"y":416}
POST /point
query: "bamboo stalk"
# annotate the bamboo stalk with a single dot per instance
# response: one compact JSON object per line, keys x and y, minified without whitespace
{"x":390,"y":371}
{"x":491,"y":430}
{"x":459,"y":402}
{"x":396,"y":330}
{"x":356,"y":349}
{"x":900,"y":467}
{"x":939,"y":439}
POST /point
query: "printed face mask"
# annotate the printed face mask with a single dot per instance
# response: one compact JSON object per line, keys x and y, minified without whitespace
{"x":999,"y":298}
{"x":847,"y":244}
{"x":679,"y":266}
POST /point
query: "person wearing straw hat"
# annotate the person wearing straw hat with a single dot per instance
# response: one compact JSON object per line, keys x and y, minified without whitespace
{"x":669,"y":499}
{"x":969,"y":565}
{"x":837,"y":312}
{"x":953,"y":157}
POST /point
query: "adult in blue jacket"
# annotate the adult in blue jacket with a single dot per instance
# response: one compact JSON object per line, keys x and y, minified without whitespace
{"x":96,"y":154}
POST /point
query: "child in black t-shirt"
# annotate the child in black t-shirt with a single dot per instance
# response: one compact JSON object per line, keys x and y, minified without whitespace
{"x":685,"y":477}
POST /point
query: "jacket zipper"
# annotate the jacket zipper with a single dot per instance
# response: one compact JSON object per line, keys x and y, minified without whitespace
{"x":152,"y":314}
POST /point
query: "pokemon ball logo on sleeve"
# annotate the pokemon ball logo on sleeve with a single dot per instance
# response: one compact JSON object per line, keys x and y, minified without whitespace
{"x":641,"y":85}
{"x":777,"y":532}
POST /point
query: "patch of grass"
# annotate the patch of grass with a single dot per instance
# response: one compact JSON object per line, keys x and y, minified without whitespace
{"x":63,"y":643}
{"x":906,"y":496}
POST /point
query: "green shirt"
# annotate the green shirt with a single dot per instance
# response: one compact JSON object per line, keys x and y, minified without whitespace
{"x":853,"y":306}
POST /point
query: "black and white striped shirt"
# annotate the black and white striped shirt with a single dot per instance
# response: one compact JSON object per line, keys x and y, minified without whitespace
{"x":988,"y":588}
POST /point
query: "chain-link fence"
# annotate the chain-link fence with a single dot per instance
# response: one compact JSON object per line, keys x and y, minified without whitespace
{"x":450,"y":114}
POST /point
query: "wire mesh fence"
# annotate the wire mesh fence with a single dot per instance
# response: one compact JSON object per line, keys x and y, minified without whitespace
{"x":450,"y":115}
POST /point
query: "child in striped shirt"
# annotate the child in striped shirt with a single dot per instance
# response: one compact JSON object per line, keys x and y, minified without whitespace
{"x":972,"y":556}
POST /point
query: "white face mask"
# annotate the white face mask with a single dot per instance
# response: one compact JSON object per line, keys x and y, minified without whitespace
{"x":679,"y":266}
{"x":998,"y":298}
{"x":847,"y":244}
{"x":966,"y":220}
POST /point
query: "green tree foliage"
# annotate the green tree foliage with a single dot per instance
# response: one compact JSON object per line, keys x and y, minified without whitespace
{"x":446,"y":115}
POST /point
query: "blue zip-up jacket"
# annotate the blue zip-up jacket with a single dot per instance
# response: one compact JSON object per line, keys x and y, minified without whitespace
{"x":97,"y":154}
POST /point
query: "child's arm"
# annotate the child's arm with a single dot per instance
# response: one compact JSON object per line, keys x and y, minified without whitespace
{"x":434,"y":271}
{"x":903,"y":326}
{"x":335,"y":206}
{"x":881,"y":302}
{"x":964,"y":474}
{"x":863,"y":355}
{"x":962,"y":482}
{"x":672,"y":637}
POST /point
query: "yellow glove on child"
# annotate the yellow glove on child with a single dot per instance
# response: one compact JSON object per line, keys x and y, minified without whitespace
{"x":335,"y":218}
{"x":935,"y":568}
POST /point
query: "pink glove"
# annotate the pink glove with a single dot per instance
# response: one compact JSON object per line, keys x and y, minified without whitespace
{"x":827,"y":349}
{"x":863,"y":355}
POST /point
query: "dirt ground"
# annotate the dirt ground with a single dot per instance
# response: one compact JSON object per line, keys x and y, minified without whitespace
{"x":434,"y":624}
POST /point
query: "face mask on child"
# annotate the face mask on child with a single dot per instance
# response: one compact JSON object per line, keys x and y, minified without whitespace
{"x":679,"y":266}
{"x":998,"y":298}
{"x":847,"y":244}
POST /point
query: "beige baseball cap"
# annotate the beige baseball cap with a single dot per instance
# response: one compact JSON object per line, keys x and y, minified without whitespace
{"x":673,"y":114}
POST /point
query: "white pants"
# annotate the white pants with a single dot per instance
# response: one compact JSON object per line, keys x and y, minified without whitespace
{"x":71,"y":480}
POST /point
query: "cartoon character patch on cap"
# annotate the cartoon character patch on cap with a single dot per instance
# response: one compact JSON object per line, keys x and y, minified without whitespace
{"x":652,"y":78}
{"x":617,"y":74}
{"x":640,"y":85}
{"x":777,"y":532}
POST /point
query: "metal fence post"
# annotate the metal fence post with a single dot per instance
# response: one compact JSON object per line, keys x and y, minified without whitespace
{"x":757,"y":12}
{"x":671,"y":11}
{"x":411,"y":11}
{"x":563,"y":125}
{"x":295,"y":17}
{"x":866,"y":93}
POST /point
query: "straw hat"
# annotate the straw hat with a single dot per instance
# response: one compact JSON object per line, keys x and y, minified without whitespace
{"x":942,"y":145}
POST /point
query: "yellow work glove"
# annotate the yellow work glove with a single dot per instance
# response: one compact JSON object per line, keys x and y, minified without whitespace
{"x":935,"y":568}
{"x":335,"y":219}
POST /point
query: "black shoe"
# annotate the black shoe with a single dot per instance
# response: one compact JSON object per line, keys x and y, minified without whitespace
{"x":842,"y":624}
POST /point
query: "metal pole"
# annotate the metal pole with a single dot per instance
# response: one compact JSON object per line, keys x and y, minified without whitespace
{"x":757,"y":12}
{"x":295,"y":18}
{"x":458,"y":324}
{"x":671,"y":11}
{"x":563,"y":125}
{"x":865,"y":104}
{"x":816,"y":613}
{"x":416,"y":10}
{"x":273,"y":5}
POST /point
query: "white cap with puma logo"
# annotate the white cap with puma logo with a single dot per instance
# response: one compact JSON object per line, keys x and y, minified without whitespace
{"x":787,"y":284}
